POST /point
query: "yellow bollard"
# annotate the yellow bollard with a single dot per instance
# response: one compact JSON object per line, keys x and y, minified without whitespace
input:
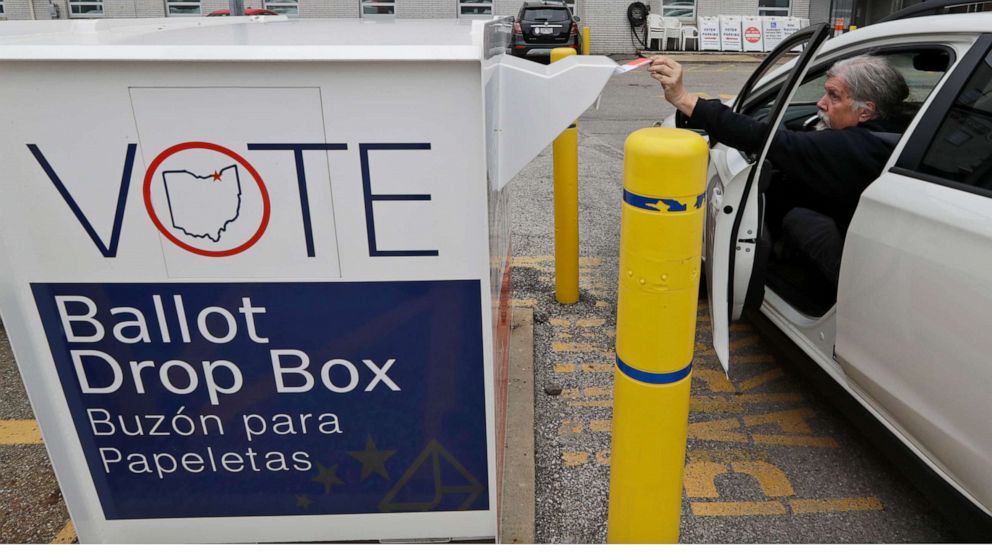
{"x":585,"y":40}
{"x":566,"y":179}
{"x":661,"y":232}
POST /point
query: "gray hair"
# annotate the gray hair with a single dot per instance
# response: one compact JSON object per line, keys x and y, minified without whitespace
{"x":871,"y":79}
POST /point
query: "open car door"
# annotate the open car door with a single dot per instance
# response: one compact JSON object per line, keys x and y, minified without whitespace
{"x":734,"y":212}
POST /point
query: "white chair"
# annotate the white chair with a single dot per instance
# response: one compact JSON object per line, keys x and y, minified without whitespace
{"x":656,"y":30}
{"x":673,"y":30}
{"x":689,"y":33}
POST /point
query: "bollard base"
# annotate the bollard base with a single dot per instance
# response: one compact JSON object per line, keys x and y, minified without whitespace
{"x":650,"y":425}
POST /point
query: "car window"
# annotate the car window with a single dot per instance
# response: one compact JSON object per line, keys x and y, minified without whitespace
{"x":544,"y":14}
{"x":921,"y":68}
{"x":961,"y":149}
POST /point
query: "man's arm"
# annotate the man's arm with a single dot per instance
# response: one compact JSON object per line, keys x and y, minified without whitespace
{"x":723,"y":125}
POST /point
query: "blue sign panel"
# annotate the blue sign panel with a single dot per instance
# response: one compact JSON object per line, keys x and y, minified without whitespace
{"x":250,"y":399}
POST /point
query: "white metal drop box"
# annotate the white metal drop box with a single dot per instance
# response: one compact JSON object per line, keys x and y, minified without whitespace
{"x":255,"y":270}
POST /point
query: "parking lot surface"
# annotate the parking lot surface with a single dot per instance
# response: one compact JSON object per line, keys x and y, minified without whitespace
{"x":768,"y":459}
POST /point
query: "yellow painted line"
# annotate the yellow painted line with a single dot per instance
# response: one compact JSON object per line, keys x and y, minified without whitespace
{"x":603,"y":457}
{"x":590,"y":323}
{"x":572,"y":348}
{"x":771,"y":479}
{"x":793,"y":420}
{"x":560,"y":322}
{"x":714,"y":404}
{"x":760,"y":379}
{"x":570,"y":428}
{"x":725,"y":97}
{"x":15,"y":432}
{"x":717,"y":431}
{"x":737,"y":508}
{"x":715,"y":380}
{"x":770,"y":397}
{"x":597,"y":391}
{"x":835,"y":505}
{"x":575,"y":393}
{"x":575,"y":458}
{"x":752,"y":359}
{"x":597,"y":367}
{"x":66,"y":536}
{"x":744,"y":342}
{"x":808,"y":441}
{"x":727,"y":455}
{"x":601,"y":425}
{"x":600,"y":404}
{"x":564,"y":368}
{"x":701,"y":94}
{"x":559,"y":335}
{"x":699,"y":479}
{"x":523,"y":302}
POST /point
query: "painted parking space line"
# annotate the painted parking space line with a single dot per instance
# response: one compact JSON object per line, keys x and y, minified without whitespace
{"x":836,"y":505}
{"x":737,"y":508}
{"x":66,"y":536}
{"x":19,"y":432}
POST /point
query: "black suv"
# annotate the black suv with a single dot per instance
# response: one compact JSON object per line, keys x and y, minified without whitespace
{"x":542,"y":26}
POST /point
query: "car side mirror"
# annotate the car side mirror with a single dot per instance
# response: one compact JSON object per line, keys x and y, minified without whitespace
{"x":576,"y":19}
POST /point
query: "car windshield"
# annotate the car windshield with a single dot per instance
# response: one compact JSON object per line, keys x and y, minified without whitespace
{"x":545,"y":14}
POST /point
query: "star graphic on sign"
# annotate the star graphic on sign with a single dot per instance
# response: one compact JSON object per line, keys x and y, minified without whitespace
{"x":373,"y":460}
{"x":216,"y":176}
{"x":303,"y":502}
{"x":327,"y":476}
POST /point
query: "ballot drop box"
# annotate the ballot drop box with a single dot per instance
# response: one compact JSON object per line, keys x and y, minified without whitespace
{"x":256,"y":270}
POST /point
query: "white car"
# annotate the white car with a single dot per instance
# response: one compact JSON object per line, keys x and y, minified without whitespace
{"x":908,"y":332}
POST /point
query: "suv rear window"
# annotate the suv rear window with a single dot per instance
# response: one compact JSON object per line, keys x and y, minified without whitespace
{"x":545,"y":14}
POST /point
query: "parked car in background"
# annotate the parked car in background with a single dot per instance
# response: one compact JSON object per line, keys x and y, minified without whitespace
{"x":248,"y":12}
{"x":905,"y":334}
{"x":543,"y":26}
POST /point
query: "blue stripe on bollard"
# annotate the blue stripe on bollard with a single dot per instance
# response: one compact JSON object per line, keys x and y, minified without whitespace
{"x":650,"y":204}
{"x":651,"y":377}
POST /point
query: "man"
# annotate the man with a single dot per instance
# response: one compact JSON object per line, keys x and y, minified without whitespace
{"x":825,"y":170}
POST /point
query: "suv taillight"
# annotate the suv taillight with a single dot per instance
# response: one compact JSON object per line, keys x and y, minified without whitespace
{"x":516,"y":29}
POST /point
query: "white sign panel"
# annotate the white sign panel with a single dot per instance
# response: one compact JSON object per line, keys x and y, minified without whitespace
{"x":773,"y":31}
{"x":709,"y":33}
{"x":752,"y":34}
{"x":730,"y":33}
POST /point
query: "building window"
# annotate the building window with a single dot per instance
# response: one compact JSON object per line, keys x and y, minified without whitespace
{"x":682,"y":9}
{"x":284,"y":7}
{"x":182,"y":7}
{"x":85,"y":8}
{"x":780,"y":8}
{"x":475,"y":7}
{"x":378,"y":8}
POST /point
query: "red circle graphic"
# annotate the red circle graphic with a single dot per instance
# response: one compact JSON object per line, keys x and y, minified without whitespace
{"x":266,"y":209}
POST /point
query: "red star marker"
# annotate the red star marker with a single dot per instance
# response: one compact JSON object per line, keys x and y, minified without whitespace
{"x":216,"y":176}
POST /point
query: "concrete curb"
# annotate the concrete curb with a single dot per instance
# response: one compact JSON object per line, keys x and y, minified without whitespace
{"x":516,"y":522}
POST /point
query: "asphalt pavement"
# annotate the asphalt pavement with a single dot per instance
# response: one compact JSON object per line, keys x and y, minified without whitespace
{"x":769,"y":461}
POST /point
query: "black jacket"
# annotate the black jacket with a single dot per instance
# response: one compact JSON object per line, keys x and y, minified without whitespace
{"x":833,"y":166}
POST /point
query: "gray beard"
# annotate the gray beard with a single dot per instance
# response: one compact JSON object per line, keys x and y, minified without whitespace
{"x":824,"y":123}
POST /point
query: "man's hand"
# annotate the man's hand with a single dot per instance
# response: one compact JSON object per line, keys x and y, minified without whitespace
{"x":669,"y":73}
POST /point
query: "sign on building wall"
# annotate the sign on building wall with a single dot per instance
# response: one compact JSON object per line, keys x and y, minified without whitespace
{"x":774,"y":31}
